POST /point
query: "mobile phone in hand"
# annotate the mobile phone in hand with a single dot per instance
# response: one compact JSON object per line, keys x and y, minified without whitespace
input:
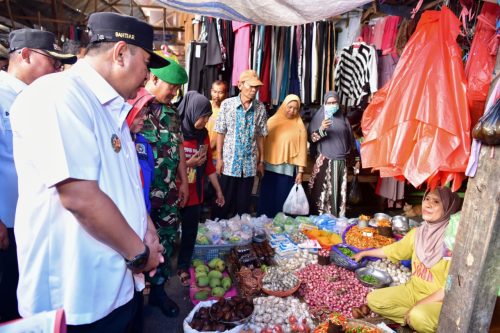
{"x":202,"y":150}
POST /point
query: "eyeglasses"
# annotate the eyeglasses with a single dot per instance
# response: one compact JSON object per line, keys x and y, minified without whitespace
{"x":55,"y":62}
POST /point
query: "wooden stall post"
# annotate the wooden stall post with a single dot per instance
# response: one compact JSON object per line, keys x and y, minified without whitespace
{"x":474,"y":277}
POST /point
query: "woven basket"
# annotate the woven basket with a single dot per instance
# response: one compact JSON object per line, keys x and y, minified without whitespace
{"x":284,"y":293}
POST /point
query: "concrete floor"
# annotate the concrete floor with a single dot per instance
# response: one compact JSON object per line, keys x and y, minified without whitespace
{"x":156,"y":322}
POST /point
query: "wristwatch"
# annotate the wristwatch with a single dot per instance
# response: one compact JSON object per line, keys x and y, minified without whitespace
{"x":139,"y":261}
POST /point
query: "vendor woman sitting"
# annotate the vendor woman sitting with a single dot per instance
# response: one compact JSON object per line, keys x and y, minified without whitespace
{"x":418,"y":302}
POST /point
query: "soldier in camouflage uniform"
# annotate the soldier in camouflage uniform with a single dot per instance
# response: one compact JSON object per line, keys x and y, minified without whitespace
{"x":162,"y":130}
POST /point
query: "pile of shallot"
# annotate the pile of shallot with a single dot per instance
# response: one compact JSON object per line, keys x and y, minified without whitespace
{"x":328,"y":289}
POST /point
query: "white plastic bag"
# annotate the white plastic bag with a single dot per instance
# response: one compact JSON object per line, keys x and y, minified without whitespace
{"x":296,"y":203}
{"x":204,"y":304}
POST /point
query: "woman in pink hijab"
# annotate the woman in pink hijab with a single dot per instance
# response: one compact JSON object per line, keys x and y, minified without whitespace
{"x":418,"y":302}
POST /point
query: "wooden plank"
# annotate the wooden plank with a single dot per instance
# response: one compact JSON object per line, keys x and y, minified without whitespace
{"x":54,"y":13}
{"x":47,"y":19}
{"x":9,"y":10}
{"x":474,"y":276}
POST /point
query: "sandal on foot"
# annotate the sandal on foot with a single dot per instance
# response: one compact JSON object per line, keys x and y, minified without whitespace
{"x":184,"y":277}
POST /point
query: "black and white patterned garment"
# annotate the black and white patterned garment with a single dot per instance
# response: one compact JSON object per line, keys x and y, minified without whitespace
{"x":356,"y":73}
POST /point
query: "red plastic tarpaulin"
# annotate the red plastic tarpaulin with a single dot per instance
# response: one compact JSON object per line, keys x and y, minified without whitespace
{"x":418,"y":125}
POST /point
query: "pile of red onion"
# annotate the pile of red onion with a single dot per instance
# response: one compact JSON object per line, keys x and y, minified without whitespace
{"x":329,"y":289}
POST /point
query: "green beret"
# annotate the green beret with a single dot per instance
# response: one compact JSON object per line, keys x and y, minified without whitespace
{"x":173,"y":73}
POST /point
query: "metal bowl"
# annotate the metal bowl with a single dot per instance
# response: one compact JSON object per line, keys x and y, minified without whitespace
{"x":400,"y":224}
{"x":381,"y":216}
{"x":384,"y":279}
{"x":377,"y":217}
{"x":414,"y":224}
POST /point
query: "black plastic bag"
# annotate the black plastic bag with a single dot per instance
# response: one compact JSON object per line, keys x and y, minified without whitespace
{"x":354,"y":196}
{"x":487,"y":129}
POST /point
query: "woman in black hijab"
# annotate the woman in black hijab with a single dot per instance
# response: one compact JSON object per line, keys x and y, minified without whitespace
{"x":194,"y":112}
{"x":331,"y":132}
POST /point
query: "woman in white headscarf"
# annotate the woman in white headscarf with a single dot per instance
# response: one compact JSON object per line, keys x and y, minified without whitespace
{"x":418,"y":302}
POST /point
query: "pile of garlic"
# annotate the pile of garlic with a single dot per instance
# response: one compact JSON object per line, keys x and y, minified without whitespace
{"x":300,"y":260}
{"x":281,"y":315}
{"x":399,"y":273}
{"x":277,"y":279}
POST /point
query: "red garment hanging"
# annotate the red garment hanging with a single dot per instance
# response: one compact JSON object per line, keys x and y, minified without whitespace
{"x":418,"y":125}
{"x":264,"y":91}
{"x":481,"y":61}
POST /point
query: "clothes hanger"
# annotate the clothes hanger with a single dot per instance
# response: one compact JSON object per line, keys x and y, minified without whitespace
{"x":358,"y":42}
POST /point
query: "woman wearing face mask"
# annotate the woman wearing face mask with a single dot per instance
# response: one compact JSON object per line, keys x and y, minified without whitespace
{"x":418,"y":302}
{"x":285,"y":156}
{"x":332,"y":134}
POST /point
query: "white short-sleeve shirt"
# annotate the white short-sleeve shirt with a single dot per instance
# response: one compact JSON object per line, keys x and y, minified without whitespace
{"x":63,"y":127}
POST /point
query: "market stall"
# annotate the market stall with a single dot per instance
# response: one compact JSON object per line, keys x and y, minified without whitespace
{"x":291,"y":274}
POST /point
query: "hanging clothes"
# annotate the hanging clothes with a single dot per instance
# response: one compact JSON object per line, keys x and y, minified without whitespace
{"x":481,"y":60}
{"x":356,"y":73}
{"x":286,"y":64}
{"x":389,"y":37}
{"x":227,"y":48}
{"x":294,"y":84}
{"x":241,"y":53}
{"x":314,"y":63}
{"x":350,"y":28}
{"x":307,"y":64}
{"x":264,"y":91}
{"x":378,"y":32}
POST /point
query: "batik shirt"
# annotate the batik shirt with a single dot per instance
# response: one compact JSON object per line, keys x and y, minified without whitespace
{"x":241,"y":127}
{"x":162,"y":130}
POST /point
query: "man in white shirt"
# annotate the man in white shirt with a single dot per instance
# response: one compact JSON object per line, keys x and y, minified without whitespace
{"x":81,"y":225}
{"x":32,"y":55}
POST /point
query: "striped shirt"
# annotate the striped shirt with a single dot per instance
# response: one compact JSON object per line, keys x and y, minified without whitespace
{"x":356,"y":74}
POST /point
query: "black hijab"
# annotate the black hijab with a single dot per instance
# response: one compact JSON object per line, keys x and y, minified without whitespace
{"x":339,"y":141}
{"x":194,"y":106}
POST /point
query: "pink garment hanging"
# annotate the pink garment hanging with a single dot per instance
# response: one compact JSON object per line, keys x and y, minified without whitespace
{"x":481,"y":61}
{"x":378,"y":33}
{"x":418,"y":125}
{"x":367,"y":34}
{"x":241,"y":49}
{"x":389,"y":37}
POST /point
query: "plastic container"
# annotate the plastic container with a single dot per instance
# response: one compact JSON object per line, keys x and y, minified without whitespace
{"x":341,"y":260}
{"x":209,"y":252}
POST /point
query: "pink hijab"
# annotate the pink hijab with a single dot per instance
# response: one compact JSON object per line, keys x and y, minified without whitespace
{"x":142,"y":98}
{"x":429,"y":240}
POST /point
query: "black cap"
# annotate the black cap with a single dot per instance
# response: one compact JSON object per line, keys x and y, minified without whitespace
{"x":38,"y":39}
{"x":113,"y":27}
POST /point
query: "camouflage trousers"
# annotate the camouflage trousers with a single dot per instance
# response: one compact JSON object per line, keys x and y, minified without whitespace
{"x":166,"y":220}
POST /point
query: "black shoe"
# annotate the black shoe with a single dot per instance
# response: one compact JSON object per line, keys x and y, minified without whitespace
{"x":158,"y":297}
